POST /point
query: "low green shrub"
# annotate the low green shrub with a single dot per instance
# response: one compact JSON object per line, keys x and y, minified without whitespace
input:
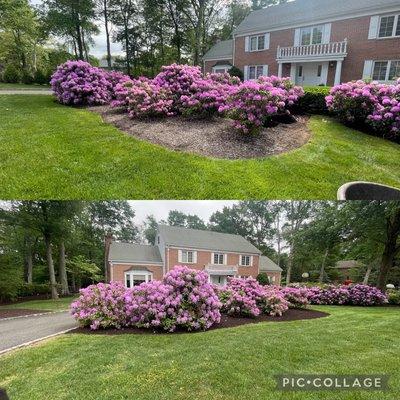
{"x":27,"y":78}
{"x":41,"y":77}
{"x":235,"y":71}
{"x":393,"y":296}
{"x":11,"y":74}
{"x":33,"y":289}
{"x":313,"y":101}
{"x":262,"y":279}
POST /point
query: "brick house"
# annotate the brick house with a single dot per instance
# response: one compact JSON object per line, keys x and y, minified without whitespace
{"x":315,"y":42}
{"x":219,"y":254}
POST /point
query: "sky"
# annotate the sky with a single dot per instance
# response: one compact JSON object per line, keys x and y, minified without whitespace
{"x":160,"y":208}
{"x":99,"y":49}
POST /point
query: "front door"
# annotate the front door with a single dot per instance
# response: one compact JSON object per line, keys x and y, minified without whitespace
{"x":218,"y":280}
{"x":310,"y":74}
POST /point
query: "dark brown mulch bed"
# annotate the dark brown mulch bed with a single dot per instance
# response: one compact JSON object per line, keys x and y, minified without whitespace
{"x":8,"y":313}
{"x":211,"y":137}
{"x":226,"y":322}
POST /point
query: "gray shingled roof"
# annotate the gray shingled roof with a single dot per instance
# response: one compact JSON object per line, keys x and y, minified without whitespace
{"x":131,"y":252}
{"x":221,"y":50}
{"x":207,"y":240}
{"x":266,"y":264}
{"x":300,"y":12}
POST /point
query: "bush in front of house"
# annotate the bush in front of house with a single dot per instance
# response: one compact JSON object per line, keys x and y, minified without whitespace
{"x":101,"y":306}
{"x":365,"y":295}
{"x":296,"y":296}
{"x":78,"y":83}
{"x":11,"y":74}
{"x":116,"y":78}
{"x":274,"y":303}
{"x":313,"y":101}
{"x":370,"y":104}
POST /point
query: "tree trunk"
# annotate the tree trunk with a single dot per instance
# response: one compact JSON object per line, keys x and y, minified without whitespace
{"x":50,"y":264}
{"x":390,"y":250}
{"x":105,"y":10}
{"x":79,"y":42}
{"x":128,"y":62}
{"x":289,"y":267}
{"x":62,"y":271}
{"x":73,"y":283}
{"x":367,"y":274}
{"x":278,"y":239}
{"x":28,"y":260}
{"x":322,"y":270}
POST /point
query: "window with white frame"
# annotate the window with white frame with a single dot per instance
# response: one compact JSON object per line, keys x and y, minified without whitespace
{"x":257,"y":43}
{"x":255,"y":71}
{"x":311,"y":35}
{"x":220,"y":70}
{"x":187,"y":256}
{"x":386,"y":70}
{"x":389,"y":26}
{"x":245,"y":261}
{"x":134,"y":278}
{"x":219,"y":258}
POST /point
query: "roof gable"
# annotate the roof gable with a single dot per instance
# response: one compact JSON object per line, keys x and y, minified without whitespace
{"x":220,"y":50}
{"x":134,"y":253}
{"x":267,"y":265}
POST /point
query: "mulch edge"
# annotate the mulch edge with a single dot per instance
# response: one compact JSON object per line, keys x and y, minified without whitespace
{"x":227,"y":322}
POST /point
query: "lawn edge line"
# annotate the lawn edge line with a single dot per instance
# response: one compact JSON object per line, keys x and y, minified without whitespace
{"x":2,"y":352}
{"x":32,"y":315}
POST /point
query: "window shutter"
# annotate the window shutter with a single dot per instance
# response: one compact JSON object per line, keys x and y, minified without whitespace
{"x":327,"y":33}
{"x":251,"y":260}
{"x":212,"y":258}
{"x":266,"y":41}
{"x":368,"y":66}
{"x":195,"y":257}
{"x":246,"y":72}
{"x":297,"y":37}
{"x":246,"y":43}
{"x":265,"y":70}
{"x":180,"y":256}
{"x":373,"y":27}
{"x":225,"y":259}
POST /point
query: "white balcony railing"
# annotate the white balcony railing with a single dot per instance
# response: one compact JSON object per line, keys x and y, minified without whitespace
{"x":216,"y":269}
{"x":335,"y":49}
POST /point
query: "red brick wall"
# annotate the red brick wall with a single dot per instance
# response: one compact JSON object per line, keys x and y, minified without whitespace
{"x":204,"y":258}
{"x":360,"y":48}
{"x":118,"y":271}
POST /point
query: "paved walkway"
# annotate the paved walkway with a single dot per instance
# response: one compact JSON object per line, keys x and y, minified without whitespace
{"x":20,"y":331}
{"x":33,"y":91}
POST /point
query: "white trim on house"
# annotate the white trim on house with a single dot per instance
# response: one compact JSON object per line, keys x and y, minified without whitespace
{"x":396,"y":23}
{"x":247,"y":71}
{"x":250,"y":260}
{"x":219,"y":253}
{"x":224,"y":67}
{"x":256,"y":37}
{"x":388,"y":68}
{"x":148,"y":276}
{"x":194,"y":256}
{"x":210,"y":250}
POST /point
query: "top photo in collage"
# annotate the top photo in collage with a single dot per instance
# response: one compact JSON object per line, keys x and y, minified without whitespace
{"x":200,"y":99}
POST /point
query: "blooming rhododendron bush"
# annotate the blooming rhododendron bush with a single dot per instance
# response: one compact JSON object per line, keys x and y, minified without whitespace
{"x":184,"y":299}
{"x":374,"y":104}
{"x":78,"y":83}
{"x":296,"y":296}
{"x":101,"y":306}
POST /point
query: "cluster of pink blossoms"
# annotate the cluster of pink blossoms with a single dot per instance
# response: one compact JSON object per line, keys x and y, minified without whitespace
{"x":296,"y":296}
{"x":375,"y":104}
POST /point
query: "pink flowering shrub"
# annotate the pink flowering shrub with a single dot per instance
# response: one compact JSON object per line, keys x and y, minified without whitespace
{"x":374,"y":104}
{"x":365,"y":295}
{"x":146,"y":100}
{"x":184,"y":299}
{"x":224,"y":79}
{"x":78,"y":83}
{"x":117,"y":80}
{"x":296,"y":296}
{"x":252,"y":104}
{"x":101,"y":306}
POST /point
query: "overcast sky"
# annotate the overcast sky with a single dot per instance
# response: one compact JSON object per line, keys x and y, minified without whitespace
{"x":160,"y":208}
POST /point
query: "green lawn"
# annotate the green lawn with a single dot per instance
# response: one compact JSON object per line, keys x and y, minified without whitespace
{"x":22,"y":86}
{"x":51,"y":305}
{"x":227,"y":364}
{"x":58,"y":152}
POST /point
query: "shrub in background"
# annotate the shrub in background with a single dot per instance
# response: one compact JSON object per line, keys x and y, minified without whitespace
{"x":35,"y":289}
{"x":78,"y":83}
{"x":235,"y":71}
{"x":11,"y":74}
{"x":274,"y":303}
{"x":262,"y":279}
{"x":393,"y":296}
{"x":313,"y":100}
{"x":365,"y":295}
{"x":101,"y":306}
{"x":116,"y":79}
{"x":41,"y":77}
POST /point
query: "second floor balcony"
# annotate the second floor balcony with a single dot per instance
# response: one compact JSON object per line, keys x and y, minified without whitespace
{"x":321,"y":51}
{"x":217,"y":269}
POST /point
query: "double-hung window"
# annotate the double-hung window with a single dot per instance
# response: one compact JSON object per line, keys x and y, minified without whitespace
{"x":311,"y":35}
{"x":255,"y":71}
{"x":245,"y":261}
{"x":188,"y":256}
{"x":134,"y":278}
{"x":386,"y":70}
{"x":219,"y":258}
{"x":257,"y":43}
{"x":389,"y":26}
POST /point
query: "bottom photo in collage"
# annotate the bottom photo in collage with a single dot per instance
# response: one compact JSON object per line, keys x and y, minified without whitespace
{"x":201,"y":299}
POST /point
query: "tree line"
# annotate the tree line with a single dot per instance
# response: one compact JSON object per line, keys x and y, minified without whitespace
{"x":61,"y":243}
{"x":152,"y":33}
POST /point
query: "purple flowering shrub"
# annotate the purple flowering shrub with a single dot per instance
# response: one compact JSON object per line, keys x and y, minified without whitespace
{"x":224,"y":79}
{"x":274,"y":302}
{"x":252,"y":104}
{"x":296,"y":296}
{"x":101,"y":306}
{"x":360,"y":295}
{"x":78,"y":83}
{"x":117,"y":80}
{"x":374,"y":104}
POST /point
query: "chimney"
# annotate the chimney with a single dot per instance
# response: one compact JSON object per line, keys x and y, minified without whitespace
{"x":107,"y":242}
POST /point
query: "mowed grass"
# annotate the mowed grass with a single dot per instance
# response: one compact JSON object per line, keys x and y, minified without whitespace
{"x":50,"y":305}
{"x":49,"y":151}
{"x":22,"y":86}
{"x":228,"y":364}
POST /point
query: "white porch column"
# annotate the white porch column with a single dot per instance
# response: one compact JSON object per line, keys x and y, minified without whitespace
{"x":279,"y":70}
{"x":338,"y":72}
{"x":293,"y":72}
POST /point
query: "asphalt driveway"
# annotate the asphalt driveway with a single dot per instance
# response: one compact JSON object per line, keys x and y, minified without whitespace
{"x":19,"y":331}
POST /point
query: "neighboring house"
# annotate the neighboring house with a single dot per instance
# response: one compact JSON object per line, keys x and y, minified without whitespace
{"x":219,"y":254}
{"x":316,"y":42}
{"x":346,"y":266}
